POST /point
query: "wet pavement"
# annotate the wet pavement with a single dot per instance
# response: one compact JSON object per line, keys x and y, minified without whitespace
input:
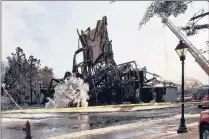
{"x":125,"y":134}
{"x":139,"y":132}
{"x":55,"y":124}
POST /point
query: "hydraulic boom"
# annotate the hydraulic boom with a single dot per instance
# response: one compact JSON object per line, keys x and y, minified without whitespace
{"x":199,"y":58}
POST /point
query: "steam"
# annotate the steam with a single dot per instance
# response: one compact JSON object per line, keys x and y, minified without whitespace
{"x":72,"y":91}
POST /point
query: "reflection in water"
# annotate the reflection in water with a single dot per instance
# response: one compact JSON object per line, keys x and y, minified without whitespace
{"x":84,"y":122}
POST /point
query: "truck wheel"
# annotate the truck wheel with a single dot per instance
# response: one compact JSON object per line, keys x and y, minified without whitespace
{"x":204,"y":131}
{"x":199,"y":106}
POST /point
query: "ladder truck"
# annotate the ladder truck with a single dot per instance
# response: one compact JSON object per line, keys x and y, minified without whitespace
{"x":199,"y":58}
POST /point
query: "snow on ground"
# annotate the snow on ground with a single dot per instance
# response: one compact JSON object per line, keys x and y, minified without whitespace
{"x":192,"y":134}
{"x":105,"y":130}
{"x":16,"y":120}
{"x":30,"y":116}
{"x":118,"y":128}
{"x":94,"y":109}
{"x":140,"y":122}
{"x":170,"y":133}
{"x":154,"y":106}
{"x":187,"y":116}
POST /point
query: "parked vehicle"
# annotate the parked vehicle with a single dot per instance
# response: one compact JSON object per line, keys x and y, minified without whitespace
{"x":204,"y":125}
{"x":186,"y":98}
{"x":201,"y":95}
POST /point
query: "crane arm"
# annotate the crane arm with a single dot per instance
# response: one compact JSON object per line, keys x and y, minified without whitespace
{"x":199,"y":58}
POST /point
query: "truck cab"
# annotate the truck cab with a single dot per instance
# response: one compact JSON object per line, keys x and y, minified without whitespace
{"x":201,"y":95}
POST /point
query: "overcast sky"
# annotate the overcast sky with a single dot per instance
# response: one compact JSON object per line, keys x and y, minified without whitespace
{"x":47,"y":30}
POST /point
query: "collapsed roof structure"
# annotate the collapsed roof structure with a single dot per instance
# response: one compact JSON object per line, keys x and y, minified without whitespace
{"x":108,"y":82}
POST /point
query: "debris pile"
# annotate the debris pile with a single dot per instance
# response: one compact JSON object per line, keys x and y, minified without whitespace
{"x":109,"y":83}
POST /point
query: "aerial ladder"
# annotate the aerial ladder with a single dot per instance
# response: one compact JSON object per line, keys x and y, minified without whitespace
{"x":199,"y":58}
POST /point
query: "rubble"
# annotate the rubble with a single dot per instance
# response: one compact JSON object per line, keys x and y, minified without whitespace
{"x":109,"y":83}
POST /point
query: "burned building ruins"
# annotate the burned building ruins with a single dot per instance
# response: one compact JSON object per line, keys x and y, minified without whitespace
{"x":108,"y":81}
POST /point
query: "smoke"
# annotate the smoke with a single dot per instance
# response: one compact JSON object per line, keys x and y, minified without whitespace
{"x":72,"y":91}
